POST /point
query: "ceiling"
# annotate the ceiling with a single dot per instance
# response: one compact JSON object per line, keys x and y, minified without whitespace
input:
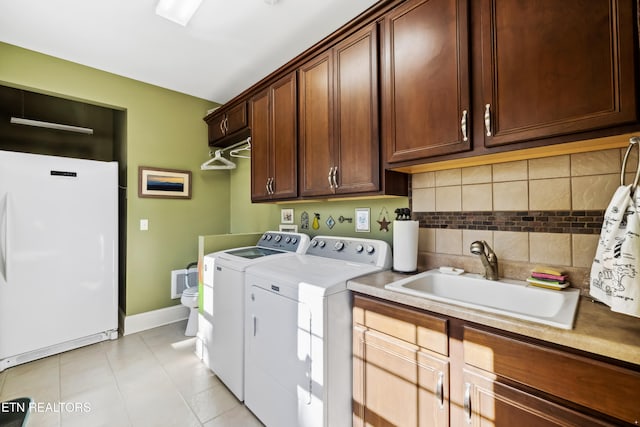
{"x":225,"y":48}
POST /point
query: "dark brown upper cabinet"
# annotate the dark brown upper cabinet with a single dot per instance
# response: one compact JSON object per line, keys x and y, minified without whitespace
{"x":554,"y":67}
{"x":339,"y":137}
{"x":228,"y":125}
{"x":274,"y":142}
{"x":543,"y":73}
{"x":425,"y":81}
{"x":410,"y":82}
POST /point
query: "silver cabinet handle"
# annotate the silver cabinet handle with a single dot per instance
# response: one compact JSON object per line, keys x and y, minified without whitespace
{"x":330,"y":176}
{"x":255,"y":324}
{"x":222,"y":126}
{"x":487,"y":119}
{"x":463,"y":126}
{"x":467,"y":402}
{"x":226,"y":125}
{"x":271,"y":185}
{"x":335,"y":177}
{"x":440,"y":390}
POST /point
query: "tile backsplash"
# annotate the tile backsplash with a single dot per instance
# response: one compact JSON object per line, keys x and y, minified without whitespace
{"x":539,"y":211}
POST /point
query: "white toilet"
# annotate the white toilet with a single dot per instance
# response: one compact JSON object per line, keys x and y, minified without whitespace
{"x":189,"y":299}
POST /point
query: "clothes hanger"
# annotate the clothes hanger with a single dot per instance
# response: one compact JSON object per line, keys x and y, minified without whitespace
{"x":247,"y":147}
{"x":226,"y":164}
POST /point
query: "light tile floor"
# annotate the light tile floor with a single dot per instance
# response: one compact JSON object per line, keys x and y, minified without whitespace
{"x":149,"y":379}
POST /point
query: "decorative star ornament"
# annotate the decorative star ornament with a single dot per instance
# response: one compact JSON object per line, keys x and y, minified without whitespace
{"x":384,"y":224}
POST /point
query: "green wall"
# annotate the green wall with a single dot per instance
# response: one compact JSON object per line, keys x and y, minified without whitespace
{"x":247,"y":217}
{"x":161,"y":128}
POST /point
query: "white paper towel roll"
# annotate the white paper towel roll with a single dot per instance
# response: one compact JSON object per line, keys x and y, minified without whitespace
{"x":405,"y":246}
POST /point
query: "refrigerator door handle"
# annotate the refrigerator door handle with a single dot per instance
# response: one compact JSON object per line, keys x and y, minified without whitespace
{"x":4,"y":243}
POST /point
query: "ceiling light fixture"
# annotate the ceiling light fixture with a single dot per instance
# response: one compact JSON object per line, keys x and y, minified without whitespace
{"x":178,"y":11}
{"x":49,"y":125}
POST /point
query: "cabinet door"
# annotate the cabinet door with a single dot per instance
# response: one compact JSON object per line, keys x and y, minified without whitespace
{"x":283,"y":138}
{"x":356,"y":102}
{"x":397,"y":383}
{"x":488,"y":402}
{"x":260,"y":150}
{"x":316,"y":126}
{"x":236,"y":118}
{"x":555,"y":67}
{"x":216,"y":127}
{"x":425,"y":80}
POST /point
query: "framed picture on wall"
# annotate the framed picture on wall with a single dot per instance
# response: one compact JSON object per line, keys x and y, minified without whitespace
{"x":286,"y":216}
{"x":164,"y":183}
{"x":362,"y":219}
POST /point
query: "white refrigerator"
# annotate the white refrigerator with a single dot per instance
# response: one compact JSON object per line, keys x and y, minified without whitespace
{"x":58,"y":255}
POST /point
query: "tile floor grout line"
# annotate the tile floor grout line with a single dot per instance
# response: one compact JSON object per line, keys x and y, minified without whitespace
{"x":118,"y":385}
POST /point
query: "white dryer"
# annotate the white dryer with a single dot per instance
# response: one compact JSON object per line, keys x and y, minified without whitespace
{"x":298,"y":338}
{"x":223,"y":300}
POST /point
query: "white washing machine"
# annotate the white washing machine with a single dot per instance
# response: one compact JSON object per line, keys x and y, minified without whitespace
{"x":223,"y":300}
{"x":298,"y":332}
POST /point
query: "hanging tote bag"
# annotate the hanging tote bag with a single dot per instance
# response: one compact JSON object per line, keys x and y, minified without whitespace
{"x":615,"y":273}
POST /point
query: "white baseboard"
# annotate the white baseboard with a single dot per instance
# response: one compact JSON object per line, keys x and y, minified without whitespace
{"x":152,"y":319}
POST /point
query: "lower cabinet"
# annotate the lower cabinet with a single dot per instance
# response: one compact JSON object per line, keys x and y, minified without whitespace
{"x":488,"y":402}
{"x":416,"y":368}
{"x":398,"y":378}
{"x":390,"y":374}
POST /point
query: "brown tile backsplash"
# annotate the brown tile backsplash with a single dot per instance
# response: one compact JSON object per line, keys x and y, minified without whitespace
{"x":571,"y":222}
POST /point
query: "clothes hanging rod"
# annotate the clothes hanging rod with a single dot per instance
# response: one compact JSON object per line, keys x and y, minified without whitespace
{"x":238,"y":144}
{"x":49,"y":125}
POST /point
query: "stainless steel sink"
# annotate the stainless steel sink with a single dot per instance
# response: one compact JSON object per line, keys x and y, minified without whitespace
{"x":507,"y":297}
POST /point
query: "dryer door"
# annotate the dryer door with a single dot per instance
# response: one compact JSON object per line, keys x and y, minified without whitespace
{"x":278,"y":355}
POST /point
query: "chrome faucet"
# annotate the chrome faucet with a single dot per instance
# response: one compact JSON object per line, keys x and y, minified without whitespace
{"x":488,"y":258}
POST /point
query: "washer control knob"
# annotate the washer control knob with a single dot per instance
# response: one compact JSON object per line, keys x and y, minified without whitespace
{"x":322,"y":243}
{"x":278,"y":238}
{"x":294,"y":240}
{"x":370,"y":249}
{"x":359,"y":248}
{"x":314,"y":243}
{"x":269,"y":236}
{"x":339,"y":246}
{"x":264,"y":236}
{"x":287,"y":239}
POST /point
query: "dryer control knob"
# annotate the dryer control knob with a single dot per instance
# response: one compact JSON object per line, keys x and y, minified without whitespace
{"x":359,"y":248}
{"x":288,"y":239}
{"x":322,"y":243}
{"x":370,"y":249}
{"x":278,"y":238}
{"x":294,"y":240}
{"x":314,"y":243}
{"x":339,"y":246}
{"x":269,"y":236}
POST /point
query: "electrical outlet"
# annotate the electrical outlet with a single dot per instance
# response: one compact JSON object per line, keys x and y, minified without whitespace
{"x":144,"y":224}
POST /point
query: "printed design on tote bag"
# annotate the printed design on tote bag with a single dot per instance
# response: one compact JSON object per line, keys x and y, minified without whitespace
{"x":615,"y":263}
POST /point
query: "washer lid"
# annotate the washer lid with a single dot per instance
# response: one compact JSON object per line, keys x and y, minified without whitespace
{"x":327,"y":275}
{"x":253,"y":252}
